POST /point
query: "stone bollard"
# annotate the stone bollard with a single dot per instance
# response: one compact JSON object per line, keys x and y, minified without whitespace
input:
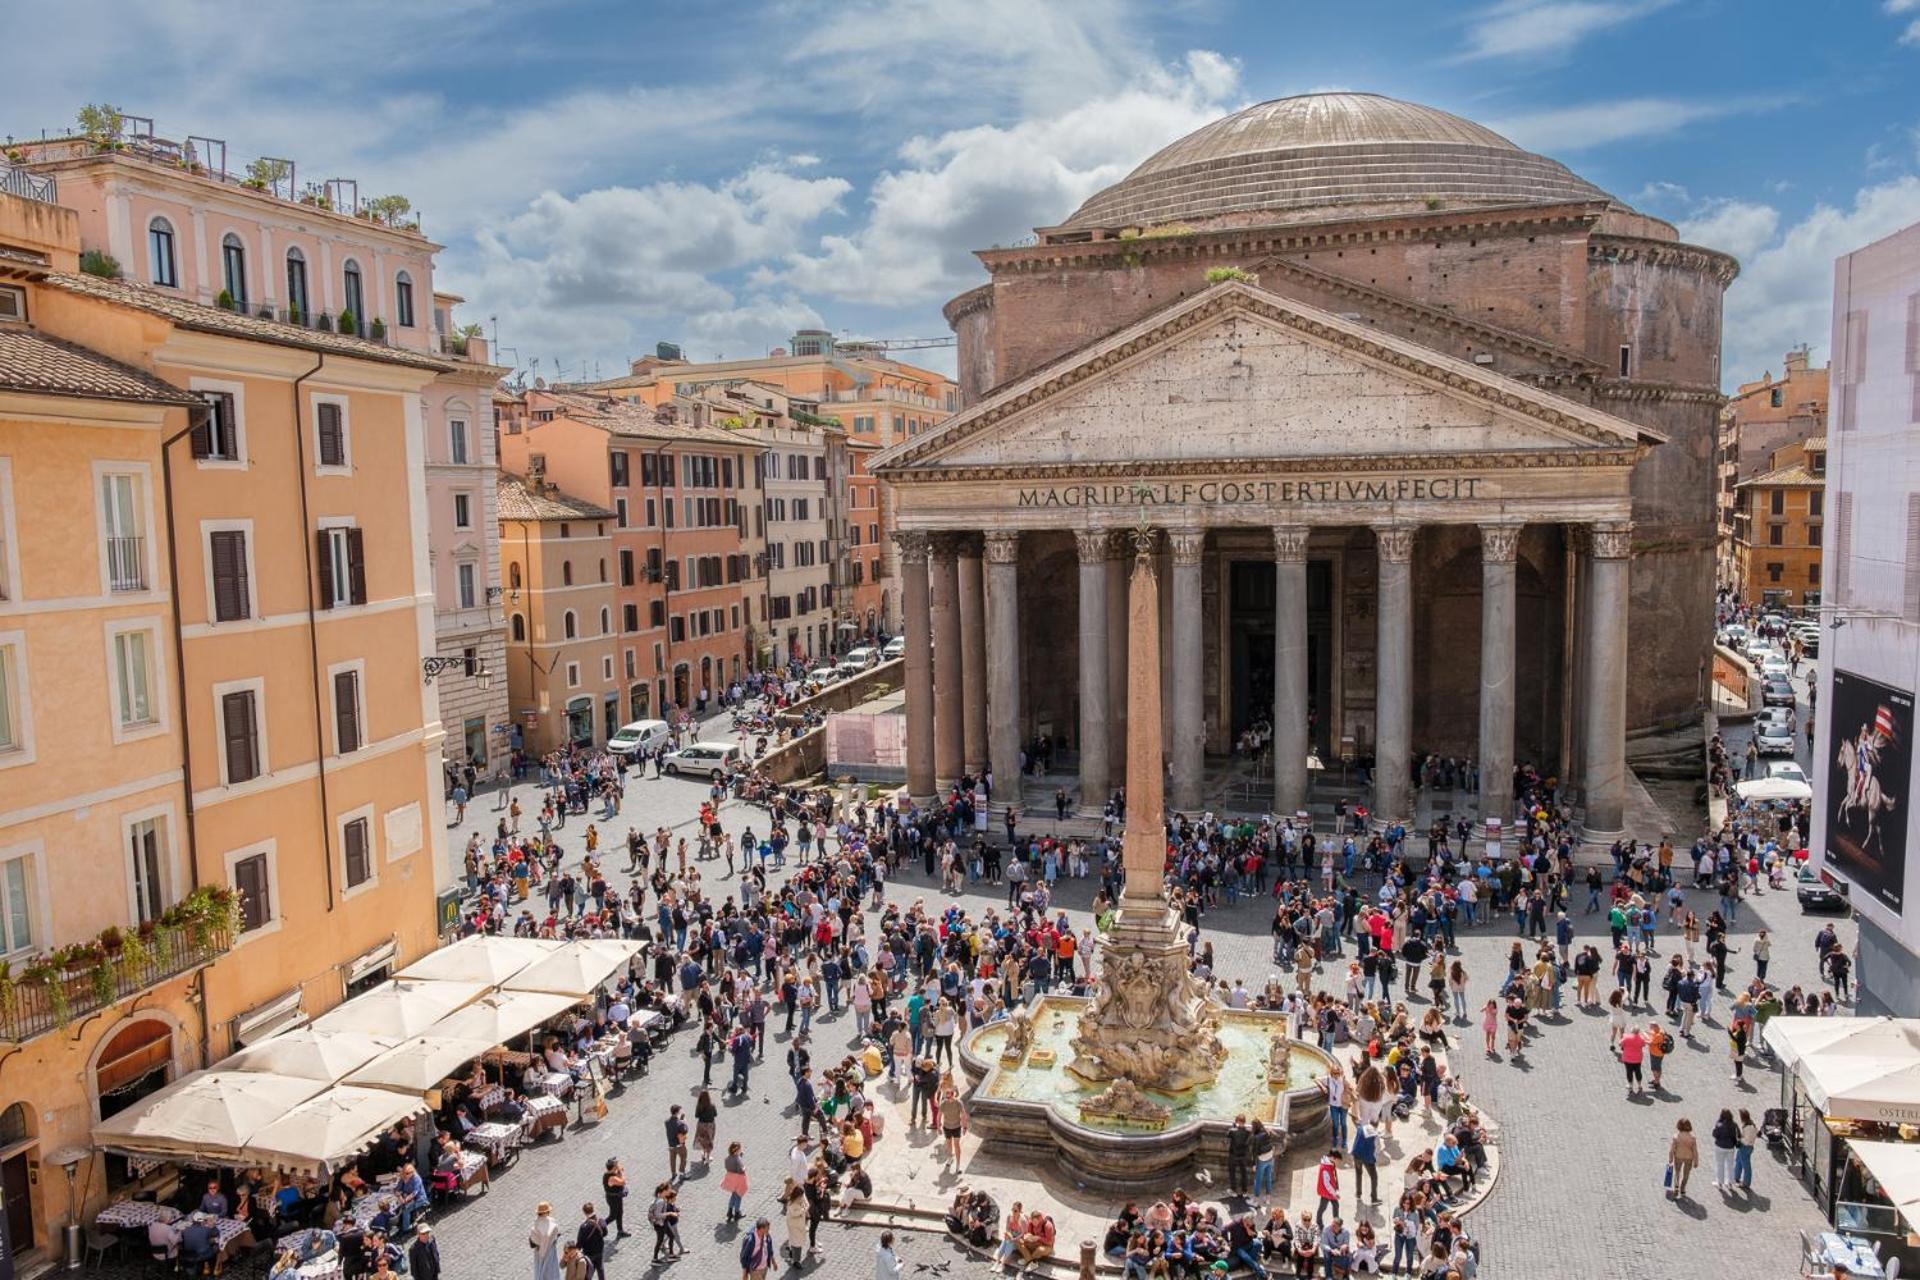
{"x":1088,"y":1252}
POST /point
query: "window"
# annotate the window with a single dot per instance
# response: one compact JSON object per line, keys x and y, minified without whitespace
{"x":606,"y":620}
{"x":465,"y":578}
{"x":403,"y":300}
{"x":1813,"y":535}
{"x":629,"y":619}
{"x":346,"y":711}
{"x":569,"y":625}
{"x":134,"y":679}
{"x":240,"y":734}
{"x":463,"y":511}
{"x":1816,"y":501}
{"x":227,"y":562}
{"x":355,"y":304}
{"x":9,"y":571}
{"x":657,"y":613}
{"x":470,"y":662}
{"x":519,"y":628}
{"x":251,"y":872}
{"x":617,"y":469}
{"x":216,"y":438}
{"x":573,"y":675}
{"x":161,"y":266}
{"x":356,"y":853}
{"x":1774,"y":570}
{"x":1778,"y":501}
{"x":19,"y":884}
{"x":626,"y":567}
{"x":457,"y":440}
{"x":606,"y":667}
{"x":343,"y":567}
{"x":1813,"y":575}
{"x":297,"y":286}
{"x":620,"y":513}
{"x":147,"y":861}
{"x":123,"y":529}
{"x":677,"y":629}
{"x":513,"y":575}
{"x":330,"y":435}
{"x":1776,"y":535}
{"x":632,"y":666}
{"x":1775,"y":397}
{"x":16,"y":725}
{"x":1626,"y":360}
{"x":566,"y":573}
{"x":233,"y":269}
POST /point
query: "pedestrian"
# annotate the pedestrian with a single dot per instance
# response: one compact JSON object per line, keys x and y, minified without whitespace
{"x":1762,"y":953}
{"x":734,"y":1182}
{"x":1726,"y":1147}
{"x":793,"y":1208}
{"x":676,"y":1144}
{"x":423,"y":1256}
{"x":1334,"y":1084}
{"x":1749,"y":1134}
{"x":1490,"y":1023}
{"x":705,"y":1116}
{"x":1633,"y":1049}
{"x":1683,"y":1153}
{"x":1326,"y":1185}
{"x":1239,"y":1156}
{"x":886,"y":1263}
{"x":1737,"y":1049}
{"x":663,"y":1215}
{"x":544,"y":1240}
{"x":756,"y":1252}
{"x":592,"y":1240}
{"x":1263,"y":1147}
{"x":614,"y":1183}
{"x":1364,"y":1168}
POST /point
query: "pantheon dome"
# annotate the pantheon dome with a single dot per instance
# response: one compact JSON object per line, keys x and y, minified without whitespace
{"x":1329,"y":153}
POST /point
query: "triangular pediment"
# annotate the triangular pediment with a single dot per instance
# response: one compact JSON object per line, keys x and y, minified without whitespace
{"x":1237,"y":373}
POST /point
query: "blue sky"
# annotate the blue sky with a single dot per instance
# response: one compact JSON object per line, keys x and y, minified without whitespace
{"x":606,"y":175}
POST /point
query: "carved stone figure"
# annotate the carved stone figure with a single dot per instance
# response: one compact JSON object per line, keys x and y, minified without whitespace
{"x":1279,"y":1059}
{"x":1124,"y":1102}
{"x":1019,"y":1033}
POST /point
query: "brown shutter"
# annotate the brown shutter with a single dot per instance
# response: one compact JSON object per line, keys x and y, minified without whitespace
{"x":229,"y":552}
{"x":333,"y":451}
{"x":250,"y":882}
{"x":323,"y":544}
{"x":204,"y":426}
{"x":356,"y":567}
{"x":356,"y":852}
{"x":346,"y":711}
{"x":237,"y":715}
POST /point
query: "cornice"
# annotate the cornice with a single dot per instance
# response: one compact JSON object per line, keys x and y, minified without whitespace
{"x":1542,"y":460}
{"x":979,"y":298}
{"x":1670,"y":392}
{"x":1664,"y":253}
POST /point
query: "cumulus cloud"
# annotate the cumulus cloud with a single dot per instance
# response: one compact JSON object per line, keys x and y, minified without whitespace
{"x":1546,"y":29}
{"x":1595,"y":124}
{"x":1737,"y":227}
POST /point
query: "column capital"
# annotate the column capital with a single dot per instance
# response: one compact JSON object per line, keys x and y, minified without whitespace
{"x":912,"y":543}
{"x":1003,"y":546}
{"x":1290,"y":542}
{"x":1094,"y":545}
{"x":1120,"y":544}
{"x":967,"y":545}
{"x":1395,"y":542}
{"x":1187,"y":544}
{"x":1499,"y":543}
{"x":1612,"y":539}
{"x":947,"y":544}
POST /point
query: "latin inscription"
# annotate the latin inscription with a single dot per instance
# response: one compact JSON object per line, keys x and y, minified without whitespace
{"x":1234,"y":492}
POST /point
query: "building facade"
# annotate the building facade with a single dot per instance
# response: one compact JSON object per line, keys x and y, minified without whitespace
{"x":1867,"y":830}
{"x":1759,"y":419}
{"x":1779,"y":523}
{"x":872,"y":598}
{"x":1421,"y":471}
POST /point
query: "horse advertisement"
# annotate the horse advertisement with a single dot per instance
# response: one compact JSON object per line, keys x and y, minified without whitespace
{"x":1866,"y":790}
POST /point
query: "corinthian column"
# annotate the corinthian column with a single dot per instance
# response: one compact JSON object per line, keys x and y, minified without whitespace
{"x":973,"y":658}
{"x":1393,"y":675}
{"x":915,"y":617}
{"x":1188,"y":712}
{"x":1290,"y":744}
{"x":1606,"y":671}
{"x":948,"y":739}
{"x":1499,"y":544}
{"x":1003,"y":664}
{"x":1094,"y":713}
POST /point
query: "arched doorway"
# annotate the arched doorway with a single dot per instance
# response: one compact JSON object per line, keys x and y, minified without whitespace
{"x":18,"y":1148}
{"x":132,"y":1063}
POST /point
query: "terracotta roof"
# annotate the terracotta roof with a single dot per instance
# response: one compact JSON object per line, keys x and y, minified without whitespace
{"x":517,"y":502}
{"x":637,"y":421}
{"x":34,"y":362}
{"x":1815,"y":444}
{"x":1794,"y":476}
{"x":192,"y":315}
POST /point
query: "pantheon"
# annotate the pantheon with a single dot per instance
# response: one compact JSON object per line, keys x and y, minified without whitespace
{"x":1425,"y":422}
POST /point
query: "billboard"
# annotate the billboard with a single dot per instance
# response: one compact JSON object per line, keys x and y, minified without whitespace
{"x":1868,"y":768}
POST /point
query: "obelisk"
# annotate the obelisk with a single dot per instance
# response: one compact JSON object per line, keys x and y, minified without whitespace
{"x":1143,"y":844}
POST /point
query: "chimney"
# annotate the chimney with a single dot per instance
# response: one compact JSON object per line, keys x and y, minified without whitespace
{"x":1797,"y":360}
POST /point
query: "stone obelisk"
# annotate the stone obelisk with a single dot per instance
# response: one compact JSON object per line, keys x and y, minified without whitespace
{"x":1143,"y":843}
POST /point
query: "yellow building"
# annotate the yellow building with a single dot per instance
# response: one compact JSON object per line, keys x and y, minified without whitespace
{"x":219,"y":767}
{"x":1778,"y":517}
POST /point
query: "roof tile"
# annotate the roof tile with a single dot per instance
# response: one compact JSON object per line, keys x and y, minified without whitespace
{"x":35,"y":362}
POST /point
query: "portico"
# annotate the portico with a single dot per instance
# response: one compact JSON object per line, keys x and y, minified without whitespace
{"x":1372,"y":551}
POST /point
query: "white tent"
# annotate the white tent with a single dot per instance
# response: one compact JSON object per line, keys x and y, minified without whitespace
{"x":576,"y":969}
{"x":502,"y":1016}
{"x":326,"y":1131}
{"x":417,"y":1065}
{"x":400,"y":1008}
{"x":1798,"y":1039}
{"x":1896,"y":1167}
{"x":309,"y":1054}
{"x":208,"y":1115}
{"x":480,"y":958}
{"x":1774,"y":789}
{"x":1886,"y":1090}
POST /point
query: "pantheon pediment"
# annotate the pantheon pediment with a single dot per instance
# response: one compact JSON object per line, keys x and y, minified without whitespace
{"x":1238,"y":374}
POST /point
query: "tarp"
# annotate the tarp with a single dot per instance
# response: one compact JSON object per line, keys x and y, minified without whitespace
{"x":1774,"y":789}
{"x":327,"y":1131}
{"x":502,"y":1016}
{"x":480,"y":958}
{"x":417,"y":1065}
{"x":576,"y":969}
{"x":325,"y":1056}
{"x":400,"y":1008}
{"x":206,"y":1116}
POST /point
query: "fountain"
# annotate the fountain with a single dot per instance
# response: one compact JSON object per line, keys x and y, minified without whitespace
{"x":1131,"y":1087}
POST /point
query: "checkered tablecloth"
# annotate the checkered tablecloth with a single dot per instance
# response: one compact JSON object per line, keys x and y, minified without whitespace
{"x":490,"y":1097}
{"x":230,"y":1235}
{"x":127,"y":1214}
{"x":556,"y":1084}
{"x":540,"y":1108}
{"x":471,"y":1162}
{"x":364,"y":1207}
{"x":496,"y":1140}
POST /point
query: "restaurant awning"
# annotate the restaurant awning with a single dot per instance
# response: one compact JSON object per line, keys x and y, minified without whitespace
{"x":502,"y":1016}
{"x":309,"y":1054}
{"x":576,"y":968}
{"x":1896,"y":1167}
{"x":206,"y":1116}
{"x":480,"y":958}
{"x":400,"y":1008}
{"x":1797,"y":1039}
{"x":326,"y":1131}
{"x":417,"y":1065}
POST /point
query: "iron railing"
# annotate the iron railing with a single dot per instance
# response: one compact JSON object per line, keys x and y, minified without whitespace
{"x":30,"y":1008}
{"x":15,"y":181}
{"x":127,"y":563}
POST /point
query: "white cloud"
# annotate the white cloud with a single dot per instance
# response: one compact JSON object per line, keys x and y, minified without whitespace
{"x":1784,"y":295}
{"x":1546,"y":29}
{"x":1732,"y":226}
{"x":1595,"y":124}
{"x":1901,"y":6}
{"x":970,"y":188}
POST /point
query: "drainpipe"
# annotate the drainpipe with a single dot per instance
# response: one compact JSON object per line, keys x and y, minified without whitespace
{"x":307,"y":534}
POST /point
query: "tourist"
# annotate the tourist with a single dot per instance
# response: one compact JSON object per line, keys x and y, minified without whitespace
{"x":663,"y":1215}
{"x":793,"y":1209}
{"x":1262,"y":1147}
{"x":886,"y":1263}
{"x":734,"y":1182}
{"x":1632,"y":1049}
{"x":1726,"y":1145}
{"x":1364,"y":1169}
{"x":544,"y":1240}
{"x":1490,"y":1024}
{"x":1748,"y":1134}
{"x":1326,"y":1185}
{"x":614,"y":1184}
{"x":676,"y":1129}
{"x":1683,"y":1153}
{"x":591,"y":1238}
{"x":1239,"y":1155}
{"x":423,"y":1255}
{"x":756,"y":1252}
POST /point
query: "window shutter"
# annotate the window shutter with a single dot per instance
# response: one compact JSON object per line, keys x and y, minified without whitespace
{"x":229,"y":550}
{"x":250,"y":882}
{"x":333,"y":451}
{"x":357,"y":566}
{"x":356,"y":852}
{"x":204,"y":428}
{"x":346,"y":711}
{"x":323,"y":545}
{"x":237,"y":714}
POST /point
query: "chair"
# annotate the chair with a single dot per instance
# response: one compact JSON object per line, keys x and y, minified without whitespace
{"x":1893,"y":1269}
{"x":99,"y":1244}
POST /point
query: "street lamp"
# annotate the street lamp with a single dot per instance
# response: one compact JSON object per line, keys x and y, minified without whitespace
{"x":433,"y":666}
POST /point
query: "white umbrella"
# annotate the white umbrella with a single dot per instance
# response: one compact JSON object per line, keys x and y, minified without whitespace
{"x":208,"y":1115}
{"x":309,"y":1054}
{"x":481,"y":958}
{"x":502,"y":1016}
{"x":400,"y":1008}
{"x":576,"y":969}
{"x":417,"y":1065}
{"x":1798,"y":1040}
{"x":1774,"y":789}
{"x":328,"y":1130}
{"x":1872,"y":1088}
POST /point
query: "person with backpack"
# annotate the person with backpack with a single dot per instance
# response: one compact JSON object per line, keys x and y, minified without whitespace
{"x":1365,"y":1170}
{"x":1659,"y":1045}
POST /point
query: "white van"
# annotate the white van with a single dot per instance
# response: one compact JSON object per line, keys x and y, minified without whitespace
{"x":896,"y":647}
{"x":864,"y":656}
{"x":639,"y":738}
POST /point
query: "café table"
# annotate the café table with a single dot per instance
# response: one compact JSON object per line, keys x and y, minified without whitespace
{"x":496,"y":1141}
{"x":546,"y":1113}
{"x":1851,"y":1252}
{"x":125,"y":1215}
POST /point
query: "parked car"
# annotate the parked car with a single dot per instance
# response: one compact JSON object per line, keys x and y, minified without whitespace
{"x":1776,"y":693}
{"x":1733,"y":636}
{"x":1809,"y":638}
{"x":1817,"y":894}
{"x":896,"y":648}
{"x":1788,"y":769}
{"x":1773,"y":737}
{"x":705,"y":759}
{"x":641,"y":737}
{"x":824,"y":675}
{"x":863,"y":656}
{"x":1773,"y":666}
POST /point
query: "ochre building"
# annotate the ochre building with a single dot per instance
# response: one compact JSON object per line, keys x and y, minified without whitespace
{"x":1426,"y":423}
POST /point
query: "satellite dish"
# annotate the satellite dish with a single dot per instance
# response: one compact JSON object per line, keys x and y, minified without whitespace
{"x":539,"y":384}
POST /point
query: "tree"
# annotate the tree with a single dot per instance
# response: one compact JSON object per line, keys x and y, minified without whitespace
{"x":102,"y":124}
{"x":264,"y":175}
{"x":96,"y":263}
{"x":389,"y":209}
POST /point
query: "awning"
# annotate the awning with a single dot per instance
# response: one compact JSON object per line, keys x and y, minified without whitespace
{"x":208,"y":1115}
{"x":1773,"y":789}
{"x":1796,"y":1040}
{"x":575,"y":969}
{"x":502,"y":1016}
{"x":400,"y":1008}
{"x":417,"y":1065}
{"x":309,"y":1054}
{"x":1896,"y":1167}
{"x":480,"y":958}
{"x":327,"y":1131}
{"x":270,"y":1019}
{"x":370,"y":962}
{"x":1854,"y":1068}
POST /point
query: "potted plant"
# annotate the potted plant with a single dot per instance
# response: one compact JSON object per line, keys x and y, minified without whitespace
{"x":104,"y":981}
{"x":377,"y":330}
{"x":323,"y":322}
{"x":95,"y":262}
{"x":9,"y":995}
{"x":102,"y":125}
{"x":223,"y":300}
{"x":266,"y":312}
{"x":348,"y":324}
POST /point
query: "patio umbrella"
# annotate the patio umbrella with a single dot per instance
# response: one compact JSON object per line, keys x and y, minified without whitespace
{"x":417,"y":1065}
{"x":1864,"y":1088}
{"x":400,"y":1008}
{"x":502,"y":1016}
{"x":309,"y":1054}
{"x":326,"y":1131}
{"x":1797,"y":1040}
{"x":576,"y":969}
{"x":208,"y":1115}
{"x":480,"y":958}
{"x":1774,"y":789}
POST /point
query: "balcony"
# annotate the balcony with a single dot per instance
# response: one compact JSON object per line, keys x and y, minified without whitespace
{"x":374,"y":330}
{"x":51,"y":991}
{"x":127,"y":563}
{"x":15,"y":181}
